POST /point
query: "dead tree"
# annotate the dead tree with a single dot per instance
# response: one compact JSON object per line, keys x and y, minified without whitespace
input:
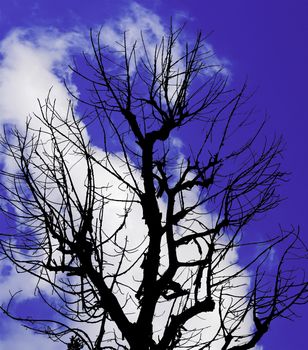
{"x":138,"y":243}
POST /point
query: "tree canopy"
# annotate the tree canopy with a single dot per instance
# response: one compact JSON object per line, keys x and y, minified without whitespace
{"x":143,"y":238}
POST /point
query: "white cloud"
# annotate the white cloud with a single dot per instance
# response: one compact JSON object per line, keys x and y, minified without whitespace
{"x":33,"y":61}
{"x":136,"y":20}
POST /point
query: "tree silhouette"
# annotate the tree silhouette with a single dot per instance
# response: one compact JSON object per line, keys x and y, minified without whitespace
{"x":141,"y":241}
{"x":75,"y":344}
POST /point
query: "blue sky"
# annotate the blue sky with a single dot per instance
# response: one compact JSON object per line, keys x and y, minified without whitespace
{"x":262,"y":41}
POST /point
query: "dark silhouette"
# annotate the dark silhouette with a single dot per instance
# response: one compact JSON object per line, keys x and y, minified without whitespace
{"x":150,"y":242}
{"x":75,"y":344}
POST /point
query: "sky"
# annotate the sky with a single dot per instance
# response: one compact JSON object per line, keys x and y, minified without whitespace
{"x":263,"y":42}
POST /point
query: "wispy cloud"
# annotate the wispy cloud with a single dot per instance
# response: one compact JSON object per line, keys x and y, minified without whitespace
{"x":139,"y":20}
{"x":13,"y":336}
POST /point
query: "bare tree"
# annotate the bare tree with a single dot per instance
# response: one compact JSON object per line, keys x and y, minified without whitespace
{"x":143,"y":243}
